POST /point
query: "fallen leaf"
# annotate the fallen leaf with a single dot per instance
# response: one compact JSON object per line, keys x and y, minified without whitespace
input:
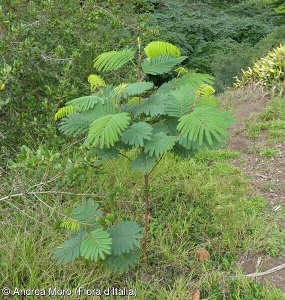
{"x":202,"y":254}
{"x":196,"y":295}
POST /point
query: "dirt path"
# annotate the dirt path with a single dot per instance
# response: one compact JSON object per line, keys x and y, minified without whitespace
{"x":267,"y":175}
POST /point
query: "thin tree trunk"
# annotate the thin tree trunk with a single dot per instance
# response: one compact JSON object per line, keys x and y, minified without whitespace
{"x":146,"y":216}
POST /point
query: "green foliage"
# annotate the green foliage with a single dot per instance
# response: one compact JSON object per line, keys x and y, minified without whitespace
{"x":186,"y":98}
{"x":204,"y":125}
{"x":96,"y":82}
{"x":69,"y":250}
{"x":96,"y":244}
{"x":199,"y":30}
{"x":107,"y":130}
{"x":122,"y":263}
{"x":161,"y":64}
{"x":179,"y":115}
{"x":51,"y":43}
{"x":158,"y":48}
{"x":113,"y":60}
{"x":93,"y":239}
{"x":136,"y":88}
{"x":125,"y":236}
{"x":137,"y":133}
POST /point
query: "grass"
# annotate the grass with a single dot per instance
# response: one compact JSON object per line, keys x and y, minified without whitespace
{"x":202,"y":203}
{"x":271,"y":122}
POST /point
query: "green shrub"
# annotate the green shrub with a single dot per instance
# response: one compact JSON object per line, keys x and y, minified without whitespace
{"x":52,"y":42}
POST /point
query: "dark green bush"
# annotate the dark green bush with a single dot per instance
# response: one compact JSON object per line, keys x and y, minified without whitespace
{"x":226,"y":64}
{"x":201,"y":30}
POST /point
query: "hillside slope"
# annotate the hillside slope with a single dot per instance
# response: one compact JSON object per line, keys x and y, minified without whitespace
{"x":259,"y":135}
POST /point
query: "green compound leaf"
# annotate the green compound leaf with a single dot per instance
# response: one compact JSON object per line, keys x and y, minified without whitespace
{"x":205,"y":124}
{"x":137,"y":133}
{"x":86,"y":102}
{"x":152,"y":106}
{"x":96,"y":244}
{"x":107,"y":154}
{"x":195,"y":80}
{"x":106,"y":130}
{"x":64,"y":111}
{"x":113,"y":60}
{"x":69,"y":250}
{"x":125,"y":237}
{"x":161,"y":64}
{"x":159,"y":144}
{"x":73,"y":125}
{"x":136,"y":88}
{"x":96,"y":82}
{"x":122,"y":263}
{"x":180,"y":102}
{"x":69,"y":224}
{"x":87,"y":212}
{"x":143,"y":162}
{"x":156,"y":48}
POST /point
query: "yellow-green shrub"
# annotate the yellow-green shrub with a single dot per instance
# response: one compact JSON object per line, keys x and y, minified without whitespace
{"x":269,"y":71}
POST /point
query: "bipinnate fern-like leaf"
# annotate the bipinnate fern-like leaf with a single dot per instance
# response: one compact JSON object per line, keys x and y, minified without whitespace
{"x":205,"y":90}
{"x":69,"y":224}
{"x":136,"y":88}
{"x":180,"y":101}
{"x":113,"y":60}
{"x":96,"y":82}
{"x":63,"y":112}
{"x":125,"y":237}
{"x":86,"y":102}
{"x":87,"y":212}
{"x":160,"y":64}
{"x":195,"y":80}
{"x":69,"y":250}
{"x":122,"y":263}
{"x":107,"y":154}
{"x":96,"y":244}
{"x":73,"y":125}
{"x":156,"y":48}
{"x":159,"y":144}
{"x":106,"y":130}
{"x":137,"y":133}
{"x":210,"y":101}
{"x":205,"y":123}
{"x":152,"y":106}
{"x":143,"y":162}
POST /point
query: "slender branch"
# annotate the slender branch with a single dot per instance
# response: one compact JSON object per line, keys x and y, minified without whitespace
{"x":146,"y":216}
{"x":47,"y":58}
{"x":275,"y":269}
{"x":22,"y":212}
{"x":157,"y":162}
{"x":49,"y":181}
{"x":48,"y":206}
{"x":124,"y":155}
{"x":76,"y":142}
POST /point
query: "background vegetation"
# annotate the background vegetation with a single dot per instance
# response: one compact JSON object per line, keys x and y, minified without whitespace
{"x":50,"y":47}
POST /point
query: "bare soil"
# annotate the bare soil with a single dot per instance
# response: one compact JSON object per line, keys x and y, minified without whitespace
{"x":267,"y":175}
